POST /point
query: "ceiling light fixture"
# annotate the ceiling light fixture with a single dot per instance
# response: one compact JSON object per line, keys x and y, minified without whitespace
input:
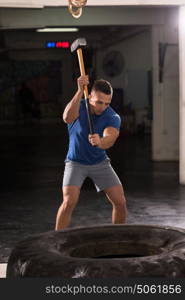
{"x":57,"y":30}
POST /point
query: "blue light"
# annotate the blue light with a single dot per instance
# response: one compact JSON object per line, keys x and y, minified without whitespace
{"x":50,"y":45}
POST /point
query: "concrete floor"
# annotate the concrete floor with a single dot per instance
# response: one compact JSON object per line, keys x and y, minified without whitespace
{"x":32,"y":162}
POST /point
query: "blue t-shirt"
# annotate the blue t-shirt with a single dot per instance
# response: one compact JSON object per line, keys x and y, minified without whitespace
{"x":80,"y":150}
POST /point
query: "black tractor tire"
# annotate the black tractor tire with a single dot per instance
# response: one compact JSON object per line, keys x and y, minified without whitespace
{"x":105,"y":251}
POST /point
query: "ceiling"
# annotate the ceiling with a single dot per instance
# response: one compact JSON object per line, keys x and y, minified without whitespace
{"x":18,"y":25}
{"x":44,"y":3}
{"x":98,"y":37}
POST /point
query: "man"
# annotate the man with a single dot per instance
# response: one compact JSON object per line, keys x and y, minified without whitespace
{"x":86,"y":155}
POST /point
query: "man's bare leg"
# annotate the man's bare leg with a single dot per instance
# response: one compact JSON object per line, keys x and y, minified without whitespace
{"x":116,"y":196}
{"x":70,"y":199}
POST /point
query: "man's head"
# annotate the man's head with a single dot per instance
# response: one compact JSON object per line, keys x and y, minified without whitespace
{"x":101,"y":95}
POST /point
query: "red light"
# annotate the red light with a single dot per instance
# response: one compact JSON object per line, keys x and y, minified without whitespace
{"x":65,"y":44}
{"x":58,"y":45}
{"x":62,"y":45}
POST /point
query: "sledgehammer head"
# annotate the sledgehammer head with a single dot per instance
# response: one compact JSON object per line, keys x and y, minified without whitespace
{"x":79,"y":43}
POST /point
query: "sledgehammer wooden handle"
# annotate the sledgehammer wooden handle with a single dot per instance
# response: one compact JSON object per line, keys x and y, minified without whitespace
{"x":86,"y":94}
{"x":82,"y":70}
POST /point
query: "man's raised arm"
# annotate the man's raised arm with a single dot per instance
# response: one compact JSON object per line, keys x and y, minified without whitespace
{"x":71,"y":111}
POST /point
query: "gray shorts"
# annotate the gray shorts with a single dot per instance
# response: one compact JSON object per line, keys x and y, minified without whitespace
{"x":102,"y":174}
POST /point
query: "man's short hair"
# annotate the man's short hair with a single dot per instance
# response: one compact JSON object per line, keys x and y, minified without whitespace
{"x":103,"y":86}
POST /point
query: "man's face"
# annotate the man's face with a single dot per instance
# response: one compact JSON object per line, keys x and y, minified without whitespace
{"x":99,"y":102}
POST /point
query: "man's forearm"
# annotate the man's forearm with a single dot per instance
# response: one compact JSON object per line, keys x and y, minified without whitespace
{"x":71,"y":111}
{"x":110,"y":135}
{"x":106,"y":142}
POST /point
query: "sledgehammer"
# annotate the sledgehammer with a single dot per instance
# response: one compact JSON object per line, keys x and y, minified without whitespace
{"x":77,"y":45}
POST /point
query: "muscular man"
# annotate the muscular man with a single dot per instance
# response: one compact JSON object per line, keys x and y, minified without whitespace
{"x":86,"y":155}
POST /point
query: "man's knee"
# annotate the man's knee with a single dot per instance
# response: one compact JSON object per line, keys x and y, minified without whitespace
{"x":70,"y":198}
{"x":119,"y":202}
{"x":68,"y":204}
{"x":116,"y":196}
